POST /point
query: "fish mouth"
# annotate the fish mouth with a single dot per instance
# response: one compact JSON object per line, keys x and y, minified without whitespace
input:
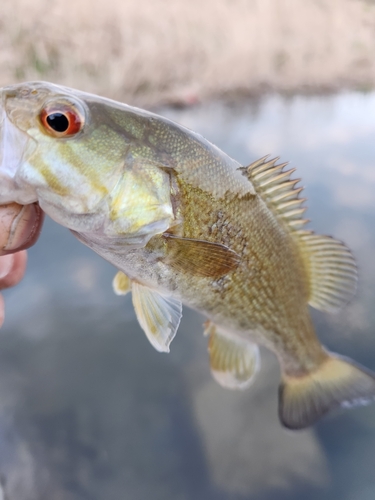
{"x":4,"y":181}
{"x":1,"y":127}
{"x":13,"y":144}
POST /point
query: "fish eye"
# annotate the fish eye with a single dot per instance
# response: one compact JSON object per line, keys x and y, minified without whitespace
{"x":61,"y":121}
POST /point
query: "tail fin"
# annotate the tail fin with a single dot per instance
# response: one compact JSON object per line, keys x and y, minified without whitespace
{"x":336,"y":383}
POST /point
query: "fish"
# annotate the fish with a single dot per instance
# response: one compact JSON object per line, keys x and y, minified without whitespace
{"x":183,"y":223}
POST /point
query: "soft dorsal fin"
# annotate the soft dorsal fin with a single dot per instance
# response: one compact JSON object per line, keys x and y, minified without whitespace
{"x":330,"y":266}
{"x":278,"y":191}
{"x":331,"y":269}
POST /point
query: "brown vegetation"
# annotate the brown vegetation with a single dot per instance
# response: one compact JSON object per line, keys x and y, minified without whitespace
{"x":152,"y":50}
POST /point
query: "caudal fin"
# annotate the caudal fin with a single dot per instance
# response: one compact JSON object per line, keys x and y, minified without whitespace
{"x":337,"y":383}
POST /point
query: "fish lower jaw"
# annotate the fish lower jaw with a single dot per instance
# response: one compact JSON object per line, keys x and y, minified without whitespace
{"x":10,"y":192}
{"x":112,"y":244}
{"x":117,"y":244}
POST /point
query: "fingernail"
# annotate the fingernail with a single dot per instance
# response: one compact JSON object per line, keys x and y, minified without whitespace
{"x":6,"y":264}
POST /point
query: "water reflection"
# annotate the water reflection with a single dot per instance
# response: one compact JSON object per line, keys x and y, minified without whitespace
{"x":88,"y":410}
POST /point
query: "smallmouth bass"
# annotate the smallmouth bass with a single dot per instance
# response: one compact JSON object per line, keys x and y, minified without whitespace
{"x":185,"y":223}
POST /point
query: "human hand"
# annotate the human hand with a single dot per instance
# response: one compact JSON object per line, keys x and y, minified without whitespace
{"x":19,"y":229}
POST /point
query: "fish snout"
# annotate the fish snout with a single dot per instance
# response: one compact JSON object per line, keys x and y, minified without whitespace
{"x":13,"y":144}
{"x":1,"y":126}
{"x":2,"y":147}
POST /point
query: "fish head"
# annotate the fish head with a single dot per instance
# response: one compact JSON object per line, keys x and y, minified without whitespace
{"x":66,"y":150}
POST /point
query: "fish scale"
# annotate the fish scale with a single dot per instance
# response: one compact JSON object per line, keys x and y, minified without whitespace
{"x":186,"y":224}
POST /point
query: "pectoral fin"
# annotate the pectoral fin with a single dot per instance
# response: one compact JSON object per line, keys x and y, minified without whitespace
{"x":121,"y":284}
{"x":158,"y":316}
{"x":200,"y":257}
{"x":234,"y":362}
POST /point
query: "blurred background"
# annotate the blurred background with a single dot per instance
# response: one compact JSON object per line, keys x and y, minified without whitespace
{"x":88,"y":410}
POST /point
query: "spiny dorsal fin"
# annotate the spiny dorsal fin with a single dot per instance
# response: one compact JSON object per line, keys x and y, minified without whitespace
{"x":331,"y":269}
{"x":278,"y":191}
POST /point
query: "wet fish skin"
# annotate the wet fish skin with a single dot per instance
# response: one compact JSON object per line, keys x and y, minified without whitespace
{"x":186,"y":223}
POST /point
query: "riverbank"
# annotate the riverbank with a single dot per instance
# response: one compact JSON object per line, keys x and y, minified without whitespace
{"x":158,"y":51}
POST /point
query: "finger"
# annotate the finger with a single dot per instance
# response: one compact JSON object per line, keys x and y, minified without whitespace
{"x":12,"y":269}
{"x":20,"y":226}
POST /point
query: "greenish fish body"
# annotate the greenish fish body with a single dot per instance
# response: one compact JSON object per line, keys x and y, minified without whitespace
{"x":185,"y":223}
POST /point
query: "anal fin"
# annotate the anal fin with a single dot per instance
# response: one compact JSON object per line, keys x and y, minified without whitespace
{"x":234,"y":362}
{"x":158,"y":316}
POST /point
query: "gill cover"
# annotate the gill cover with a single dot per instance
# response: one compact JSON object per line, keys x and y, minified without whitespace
{"x":72,"y":152}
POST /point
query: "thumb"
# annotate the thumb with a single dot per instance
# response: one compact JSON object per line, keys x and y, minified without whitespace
{"x":20,"y":226}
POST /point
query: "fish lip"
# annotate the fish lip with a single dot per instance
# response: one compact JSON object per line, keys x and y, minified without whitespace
{"x":13,"y":143}
{"x":2,"y":132}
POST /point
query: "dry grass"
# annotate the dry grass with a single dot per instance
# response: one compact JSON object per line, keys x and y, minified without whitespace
{"x":152,"y":50}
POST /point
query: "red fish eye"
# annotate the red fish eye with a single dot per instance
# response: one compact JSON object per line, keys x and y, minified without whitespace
{"x":61,"y":122}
